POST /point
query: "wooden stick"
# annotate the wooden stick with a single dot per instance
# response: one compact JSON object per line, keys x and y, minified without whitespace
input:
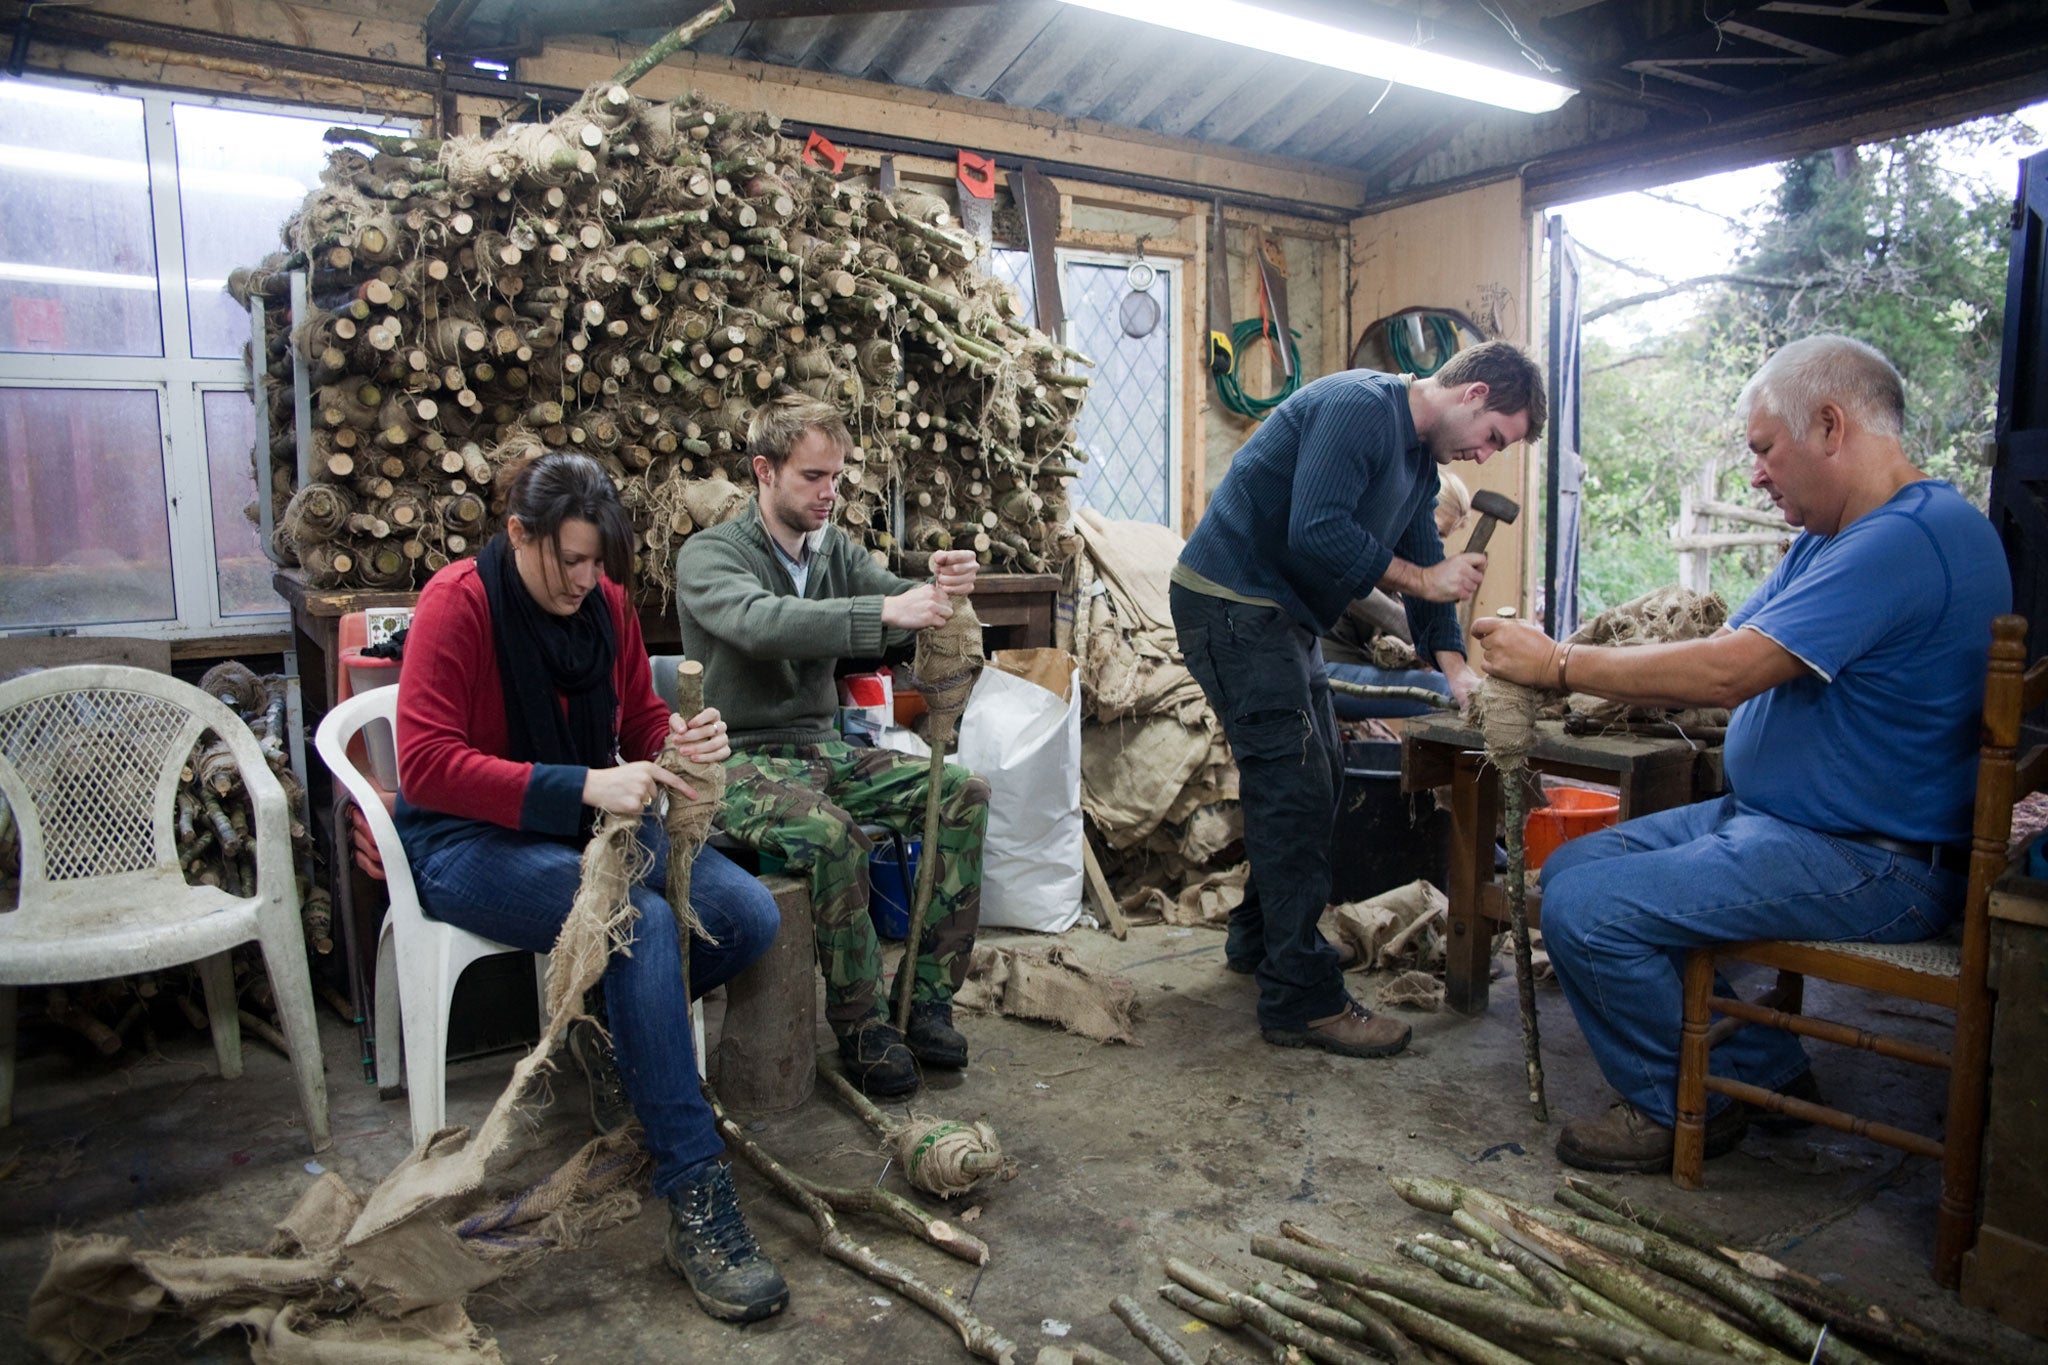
{"x":1149,"y":1333}
{"x":1315,"y":1345}
{"x":1393,"y":692}
{"x":1195,"y":1306}
{"x":1514,"y":805}
{"x":978,"y":1337}
{"x":1503,"y":1314}
{"x":677,"y":38}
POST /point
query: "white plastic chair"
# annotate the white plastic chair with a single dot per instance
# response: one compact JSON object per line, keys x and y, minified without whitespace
{"x":419,"y":960}
{"x":91,"y":758}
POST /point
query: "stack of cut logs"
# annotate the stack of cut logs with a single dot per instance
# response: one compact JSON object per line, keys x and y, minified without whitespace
{"x":632,"y":280}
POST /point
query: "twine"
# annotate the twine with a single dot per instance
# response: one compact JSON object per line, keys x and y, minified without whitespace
{"x":947,"y":662}
{"x":934,"y":1153}
{"x":1506,"y":713}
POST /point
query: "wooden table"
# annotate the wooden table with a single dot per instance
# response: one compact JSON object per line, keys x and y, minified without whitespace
{"x":1652,"y":774}
{"x":1016,"y":609}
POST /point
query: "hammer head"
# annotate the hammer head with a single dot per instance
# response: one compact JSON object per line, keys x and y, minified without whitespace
{"x":1492,"y":508}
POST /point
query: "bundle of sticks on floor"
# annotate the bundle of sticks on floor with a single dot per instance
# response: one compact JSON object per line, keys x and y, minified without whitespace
{"x":1602,"y":1277}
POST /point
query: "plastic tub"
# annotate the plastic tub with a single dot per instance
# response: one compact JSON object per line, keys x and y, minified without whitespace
{"x":1572,"y":811}
{"x":379,"y":744}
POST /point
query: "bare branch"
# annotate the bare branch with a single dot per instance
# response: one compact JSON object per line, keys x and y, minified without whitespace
{"x":1620,"y":265}
{"x":1625,"y":360}
{"x":1701,"y":282}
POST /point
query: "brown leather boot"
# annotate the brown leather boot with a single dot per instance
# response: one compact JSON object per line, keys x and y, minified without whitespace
{"x":1353,"y":1031}
{"x":1625,"y":1139}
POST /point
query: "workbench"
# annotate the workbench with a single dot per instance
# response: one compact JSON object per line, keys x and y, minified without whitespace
{"x":1651,"y":773}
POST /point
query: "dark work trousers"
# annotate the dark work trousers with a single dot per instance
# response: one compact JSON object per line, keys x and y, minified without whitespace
{"x":1263,"y":673}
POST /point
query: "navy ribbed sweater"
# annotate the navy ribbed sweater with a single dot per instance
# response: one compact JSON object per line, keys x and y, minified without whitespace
{"x":1319,"y":501}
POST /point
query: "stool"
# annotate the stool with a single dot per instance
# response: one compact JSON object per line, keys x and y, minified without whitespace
{"x":766,"y":1060}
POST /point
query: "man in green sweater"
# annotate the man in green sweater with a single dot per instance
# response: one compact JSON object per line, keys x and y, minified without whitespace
{"x":770,"y":602}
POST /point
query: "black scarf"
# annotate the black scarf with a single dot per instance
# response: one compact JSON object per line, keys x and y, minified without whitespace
{"x":543,"y":657}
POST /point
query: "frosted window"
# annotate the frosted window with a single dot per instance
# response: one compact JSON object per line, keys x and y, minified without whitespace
{"x":241,"y":566}
{"x":1125,"y":424}
{"x":240,"y":176}
{"x":77,"y":259}
{"x":84,"y":532}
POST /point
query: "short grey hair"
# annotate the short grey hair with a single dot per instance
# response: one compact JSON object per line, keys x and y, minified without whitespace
{"x":1806,"y":373}
{"x":774,"y":430}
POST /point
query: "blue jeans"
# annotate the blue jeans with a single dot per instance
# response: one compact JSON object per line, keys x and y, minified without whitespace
{"x":1263,"y":673}
{"x":1622,"y":906}
{"x":517,"y":888}
{"x":1359,"y":708}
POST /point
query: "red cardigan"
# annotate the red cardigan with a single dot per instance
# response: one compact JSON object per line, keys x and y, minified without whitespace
{"x":451,"y":715}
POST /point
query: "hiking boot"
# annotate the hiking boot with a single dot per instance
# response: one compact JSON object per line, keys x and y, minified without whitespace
{"x":1625,"y":1139}
{"x":1353,"y":1031}
{"x":710,"y":1245}
{"x":610,"y":1110}
{"x":1800,"y":1087}
{"x":932,"y":1039}
{"x":1347,"y":958}
{"x":874,"y":1058}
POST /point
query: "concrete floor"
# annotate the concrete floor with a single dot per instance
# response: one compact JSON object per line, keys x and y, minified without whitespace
{"x":1186,"y":1145}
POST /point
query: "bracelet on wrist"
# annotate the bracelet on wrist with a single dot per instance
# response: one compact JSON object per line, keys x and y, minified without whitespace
{"x":1564,"y":660}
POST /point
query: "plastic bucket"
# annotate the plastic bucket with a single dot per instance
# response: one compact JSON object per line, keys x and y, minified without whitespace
{"x":1572,"y":811}
{"x":1383,"y":838}
{"x":379,"y":744}
{"x":892,"y":886}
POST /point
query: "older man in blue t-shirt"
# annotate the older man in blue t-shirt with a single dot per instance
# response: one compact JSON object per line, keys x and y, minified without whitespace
{"x":1857,"y":677}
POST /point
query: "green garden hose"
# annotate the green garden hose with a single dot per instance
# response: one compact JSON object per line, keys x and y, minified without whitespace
{"x":1234,"y":397}
{"x":1443,"y":335}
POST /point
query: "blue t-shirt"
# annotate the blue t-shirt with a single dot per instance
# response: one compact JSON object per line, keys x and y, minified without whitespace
{"x":1892,"y":615}
{"x":1320,"y":500}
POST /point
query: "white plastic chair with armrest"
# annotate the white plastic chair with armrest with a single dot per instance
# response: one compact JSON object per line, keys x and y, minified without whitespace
{"x":91,"y":759}
{"x":419,"y":960}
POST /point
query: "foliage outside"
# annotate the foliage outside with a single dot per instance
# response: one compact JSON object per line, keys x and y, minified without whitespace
{"x":1887,"y":243}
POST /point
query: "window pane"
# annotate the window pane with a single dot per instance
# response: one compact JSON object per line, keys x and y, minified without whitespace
{"x":1126,"y":424}
{"x":243,"y":569}
{"x":77,"y":257}
{"x":85,"y":537}
{"x":240,"y":176}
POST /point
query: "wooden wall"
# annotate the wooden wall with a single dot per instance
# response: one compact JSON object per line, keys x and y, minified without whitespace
{"x":1469,"y":251}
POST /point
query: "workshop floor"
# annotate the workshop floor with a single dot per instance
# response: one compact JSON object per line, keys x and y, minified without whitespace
{"x":1185,"y":1145}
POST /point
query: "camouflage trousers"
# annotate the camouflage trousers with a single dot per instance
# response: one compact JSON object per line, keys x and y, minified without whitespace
{"x":806,"y":805}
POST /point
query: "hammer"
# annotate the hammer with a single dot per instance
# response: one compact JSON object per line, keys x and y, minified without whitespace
{"x":1492,"y":508}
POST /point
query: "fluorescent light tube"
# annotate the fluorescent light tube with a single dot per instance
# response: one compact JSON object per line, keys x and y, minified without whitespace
{"x":1287,"y":35}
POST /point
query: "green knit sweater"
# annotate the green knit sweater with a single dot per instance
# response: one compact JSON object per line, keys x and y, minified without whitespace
{"x":768,"y":654}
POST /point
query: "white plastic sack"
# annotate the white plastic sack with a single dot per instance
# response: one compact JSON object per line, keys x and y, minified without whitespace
{"x":1025,"y":741}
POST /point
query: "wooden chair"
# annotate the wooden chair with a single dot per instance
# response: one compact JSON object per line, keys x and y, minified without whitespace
{"x":1937,"y":972}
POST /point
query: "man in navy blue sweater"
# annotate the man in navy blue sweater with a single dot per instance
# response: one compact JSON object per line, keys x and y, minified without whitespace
{"x":1332,"y":497}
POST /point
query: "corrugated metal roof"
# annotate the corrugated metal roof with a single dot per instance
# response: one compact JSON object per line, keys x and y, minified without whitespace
{"x":1077,"y":63}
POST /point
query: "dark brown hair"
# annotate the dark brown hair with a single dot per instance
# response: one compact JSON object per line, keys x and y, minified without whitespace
{"x":545,"y":490}
{"x":1514,"y":382}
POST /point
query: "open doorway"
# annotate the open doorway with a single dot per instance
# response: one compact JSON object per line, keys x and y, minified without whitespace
{"x":1684,"y":290}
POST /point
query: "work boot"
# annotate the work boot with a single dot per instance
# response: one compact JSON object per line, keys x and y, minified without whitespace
{"x":710,"y":1245}
{"x":1625,"y":1139}
{"x":1800,"y":1087}
{"x":1353,"y":1031}
{"x":874,"y":1058}
{"x":610,"y":1110}
{"x":932,"y":1039}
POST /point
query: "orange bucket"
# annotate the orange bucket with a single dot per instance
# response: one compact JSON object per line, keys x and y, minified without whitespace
{"x":1572,"y":811}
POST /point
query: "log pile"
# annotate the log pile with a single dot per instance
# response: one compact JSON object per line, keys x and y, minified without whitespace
{"x":1506,"y":1283}
{"x":216,"y":847}
{"x":632,"y":280}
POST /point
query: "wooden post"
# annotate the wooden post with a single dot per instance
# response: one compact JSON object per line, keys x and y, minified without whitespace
{"x":766,"y":1060}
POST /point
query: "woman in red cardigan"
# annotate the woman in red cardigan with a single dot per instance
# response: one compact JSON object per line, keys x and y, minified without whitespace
{"x":527,"y":707}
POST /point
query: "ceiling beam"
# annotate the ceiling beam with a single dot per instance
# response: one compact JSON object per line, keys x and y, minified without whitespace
{"x":1887,"y":16}
{"x":666,"y":14}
